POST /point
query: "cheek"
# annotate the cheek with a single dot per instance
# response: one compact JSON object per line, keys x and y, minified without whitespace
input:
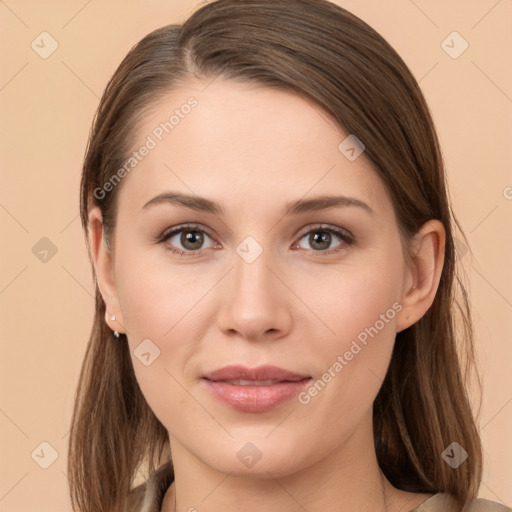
{"x":360,"y":306}
{"x":352,"y":301}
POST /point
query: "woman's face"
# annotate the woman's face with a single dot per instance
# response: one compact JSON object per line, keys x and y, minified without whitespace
{"x":270,"y":281}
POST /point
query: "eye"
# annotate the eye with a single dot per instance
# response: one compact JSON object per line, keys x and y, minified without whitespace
{"x":190,"y":237}
{"x":321,"y":237}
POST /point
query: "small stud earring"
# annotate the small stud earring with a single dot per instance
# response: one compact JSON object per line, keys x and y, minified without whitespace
{"x":116,"y":334}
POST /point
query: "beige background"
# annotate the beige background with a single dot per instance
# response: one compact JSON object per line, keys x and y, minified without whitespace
{"x":46,"y":107}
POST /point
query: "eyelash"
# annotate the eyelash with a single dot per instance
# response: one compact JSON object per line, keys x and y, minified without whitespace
{"x":344,"y":235}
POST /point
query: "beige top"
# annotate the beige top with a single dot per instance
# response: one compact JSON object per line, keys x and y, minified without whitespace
{"x":148,"y":497}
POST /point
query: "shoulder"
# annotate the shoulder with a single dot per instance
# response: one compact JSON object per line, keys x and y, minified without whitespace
{"x":148,"y":496}
{"x":442,"y":502}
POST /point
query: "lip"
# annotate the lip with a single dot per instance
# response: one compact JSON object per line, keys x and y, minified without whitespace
{"x":272,"y":386}
{"x":266,"y":372}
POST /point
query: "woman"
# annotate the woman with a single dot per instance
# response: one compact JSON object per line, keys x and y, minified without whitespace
{"x":266,"y":212}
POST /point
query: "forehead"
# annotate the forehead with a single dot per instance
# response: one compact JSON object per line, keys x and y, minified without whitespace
{"x":250,"y":142}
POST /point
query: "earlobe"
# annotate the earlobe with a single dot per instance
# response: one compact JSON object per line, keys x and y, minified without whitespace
{"x":421,"y":279}
{"x":104,"y":270}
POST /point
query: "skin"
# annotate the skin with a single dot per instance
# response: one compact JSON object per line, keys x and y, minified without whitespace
{"x":253,"y":149}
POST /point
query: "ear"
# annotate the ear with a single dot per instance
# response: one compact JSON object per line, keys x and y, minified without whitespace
{"x":422,"y":276}
{"x":104,"y":269}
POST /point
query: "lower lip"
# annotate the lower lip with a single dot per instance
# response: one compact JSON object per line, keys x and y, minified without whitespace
{"x":255,"y":398}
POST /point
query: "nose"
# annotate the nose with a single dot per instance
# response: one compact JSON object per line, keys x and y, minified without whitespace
{"x":256,"y":303}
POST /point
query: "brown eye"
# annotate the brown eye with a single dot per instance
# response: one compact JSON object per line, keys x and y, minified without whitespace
{"x":191,"y":239}
{"x":186,"y":240}
{"x":321,"y":238}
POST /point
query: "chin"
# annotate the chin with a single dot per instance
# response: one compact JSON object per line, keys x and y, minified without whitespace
{"x":256,"y":456}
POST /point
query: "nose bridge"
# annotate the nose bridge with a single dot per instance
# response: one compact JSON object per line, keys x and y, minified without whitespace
{"x":253,"y":279}
{"x":255,"y":300}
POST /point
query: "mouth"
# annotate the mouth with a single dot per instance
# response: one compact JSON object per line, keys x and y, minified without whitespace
{"x":265,"y":373}
{"x":254,"y":390}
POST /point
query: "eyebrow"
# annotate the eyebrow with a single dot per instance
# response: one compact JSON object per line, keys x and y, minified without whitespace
{"x":201,"y":204}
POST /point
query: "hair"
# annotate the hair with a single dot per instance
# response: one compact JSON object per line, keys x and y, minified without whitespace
{"x":324,"y":53}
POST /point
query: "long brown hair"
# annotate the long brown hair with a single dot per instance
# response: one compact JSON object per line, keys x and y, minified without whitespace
{"x":319,"y":50}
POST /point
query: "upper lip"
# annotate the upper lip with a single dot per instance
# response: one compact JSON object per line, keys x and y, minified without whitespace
{"x":266,"y":372}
